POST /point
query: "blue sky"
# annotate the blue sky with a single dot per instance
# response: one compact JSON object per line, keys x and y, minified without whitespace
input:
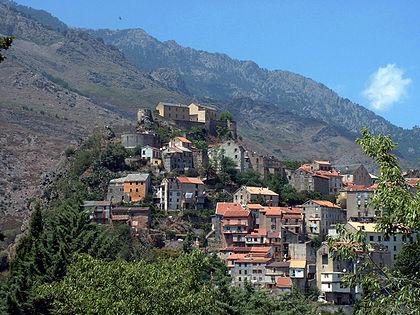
{"x":367,"y":51}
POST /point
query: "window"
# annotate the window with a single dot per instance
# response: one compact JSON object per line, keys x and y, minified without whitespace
{"x":379,"y":238}
{"x":371,"y":238}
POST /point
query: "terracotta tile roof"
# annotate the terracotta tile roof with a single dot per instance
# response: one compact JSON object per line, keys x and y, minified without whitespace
{"x":306,"y":168}
{"x":254,"y":206}
{"x":328,"y":173}
{"x":236,"y":214}
{"x":260,"y":191}
{"x":297,"y":263}
{"x":278,"y":211}
{"x":222,"y":207}
{"x":412,"y":182}
{"x":183,"y":139}
{"x":259,"y":232}
{"x":326,"y":203}
{"x":284,"y":282}
{"x":236,"y":256}
{"x":321,"y":176}
{"x":120,"y":217}
{"x":352,"y":187}
{"x":261,"y":249}
{"x":190,"y":180}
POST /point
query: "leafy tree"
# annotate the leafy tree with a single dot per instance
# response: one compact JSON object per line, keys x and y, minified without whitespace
{"x":408,"y":260}
{"x":169,"y":286}
{"x":5,"y":43}
{"x":113,"y":157}
{"x":249,"y":178}
{"x":226,"y":116}
{"x":384,"y":291}
{"x":187,"y":244}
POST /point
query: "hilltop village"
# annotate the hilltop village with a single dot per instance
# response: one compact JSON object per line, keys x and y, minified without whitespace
{"x":197,"y":184}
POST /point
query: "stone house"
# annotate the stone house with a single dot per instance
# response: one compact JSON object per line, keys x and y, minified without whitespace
{"x":250,"y":194}
{"x":132,"y":140}
{"x":201,"y":113}
{"x":152,"y":155}
{"x":250,"y":267}
{"x":229,"y":149}
{"x":173,"y":111}
{"x":356,"y":199}
{"x":232,"y":222}
{"x":265,"y":165}
{"x":100,"y":211}
{"x":318,"y":177}
{"x":182,"y":193}
{"x":138,"y":218}
{"x":329,"y":274}
{"x":355,"y":174}
{"x":177,"y":159}
{"x":320,"y":215}
{"x":131,"y":188}
{"x":393,"y":243}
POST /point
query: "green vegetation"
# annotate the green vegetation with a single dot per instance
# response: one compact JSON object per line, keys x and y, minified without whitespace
{"x":226,"y":116}
{"x":384,"y":291}
{"x":5,"y":43}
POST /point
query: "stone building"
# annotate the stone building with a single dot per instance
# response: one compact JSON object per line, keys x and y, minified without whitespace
{"x":132,"y":140}
{"x":182,"y":193}
{"x":261,"y":195}
{"x":137,"y":218}
{"x":320,"y":215}
{"x":173,"y":111}
{"x":355,"y":174}
{"x":131,"y":188}
{"x":265,"y":165}
{"x":229,"y":149}
{"x":100,"y":211}
{"x":356,"y":199}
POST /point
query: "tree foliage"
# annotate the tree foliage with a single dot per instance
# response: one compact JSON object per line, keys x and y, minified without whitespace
{"x":384,"y":291}
{"x":5,"y":43}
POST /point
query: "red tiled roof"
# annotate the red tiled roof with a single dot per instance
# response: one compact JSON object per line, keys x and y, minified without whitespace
{"x":259,"y":232}
{"x":352,"y":187}
{"x":251,"y":259}
{"x":326,"y":203}
{"x":284,"y":282}
{"x":183,"y":139}
{"x":236,"y":213}
{"x":412,"y":182}
{"x":254,"y":206}
{"x":321,"y":176}
{"x":328,"y":173}
{"x":223,"y":207}
{"x":190,"y":180}
{"x":277,"y":211}
{"x":260,"y":249}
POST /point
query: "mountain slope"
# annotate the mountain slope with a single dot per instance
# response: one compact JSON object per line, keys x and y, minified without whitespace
{"x":221,"y":77}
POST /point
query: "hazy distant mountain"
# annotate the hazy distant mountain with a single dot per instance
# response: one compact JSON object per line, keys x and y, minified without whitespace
{"x":220,"y":77}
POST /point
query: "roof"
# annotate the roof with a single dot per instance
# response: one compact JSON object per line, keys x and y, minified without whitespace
{"x":120,"y":217}
{"x":254,"y":206}
{"x":260,"y":191}
{"x":93,"y":203}
{"x":412,"y":182}
{"x":284,"y":282}
{"x":183,"y":139}
{"x":202,"y":106}
{"x":367,"y":227}
{"x":222,"y":207}
{"x":261,"y":249}
{"x":328,"y":173}
{"x":171,"y":104}
{"x":240,"y":213}
{"x":190,"y":180}
{"x":137,"y":177}
{"x":322,"y":162}
{"x":296,"y":263}
{"x":321,"y":176}
{"x":277,"y":211}
{"x":352,"y":187}
{"x":326,"y":203}
{"x":259,"y":232}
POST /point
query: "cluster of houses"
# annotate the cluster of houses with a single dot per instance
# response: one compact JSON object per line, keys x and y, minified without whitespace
{"x":262,"y":243}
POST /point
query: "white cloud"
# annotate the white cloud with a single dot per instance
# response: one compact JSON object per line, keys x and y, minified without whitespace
{"x":386,"y":86}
